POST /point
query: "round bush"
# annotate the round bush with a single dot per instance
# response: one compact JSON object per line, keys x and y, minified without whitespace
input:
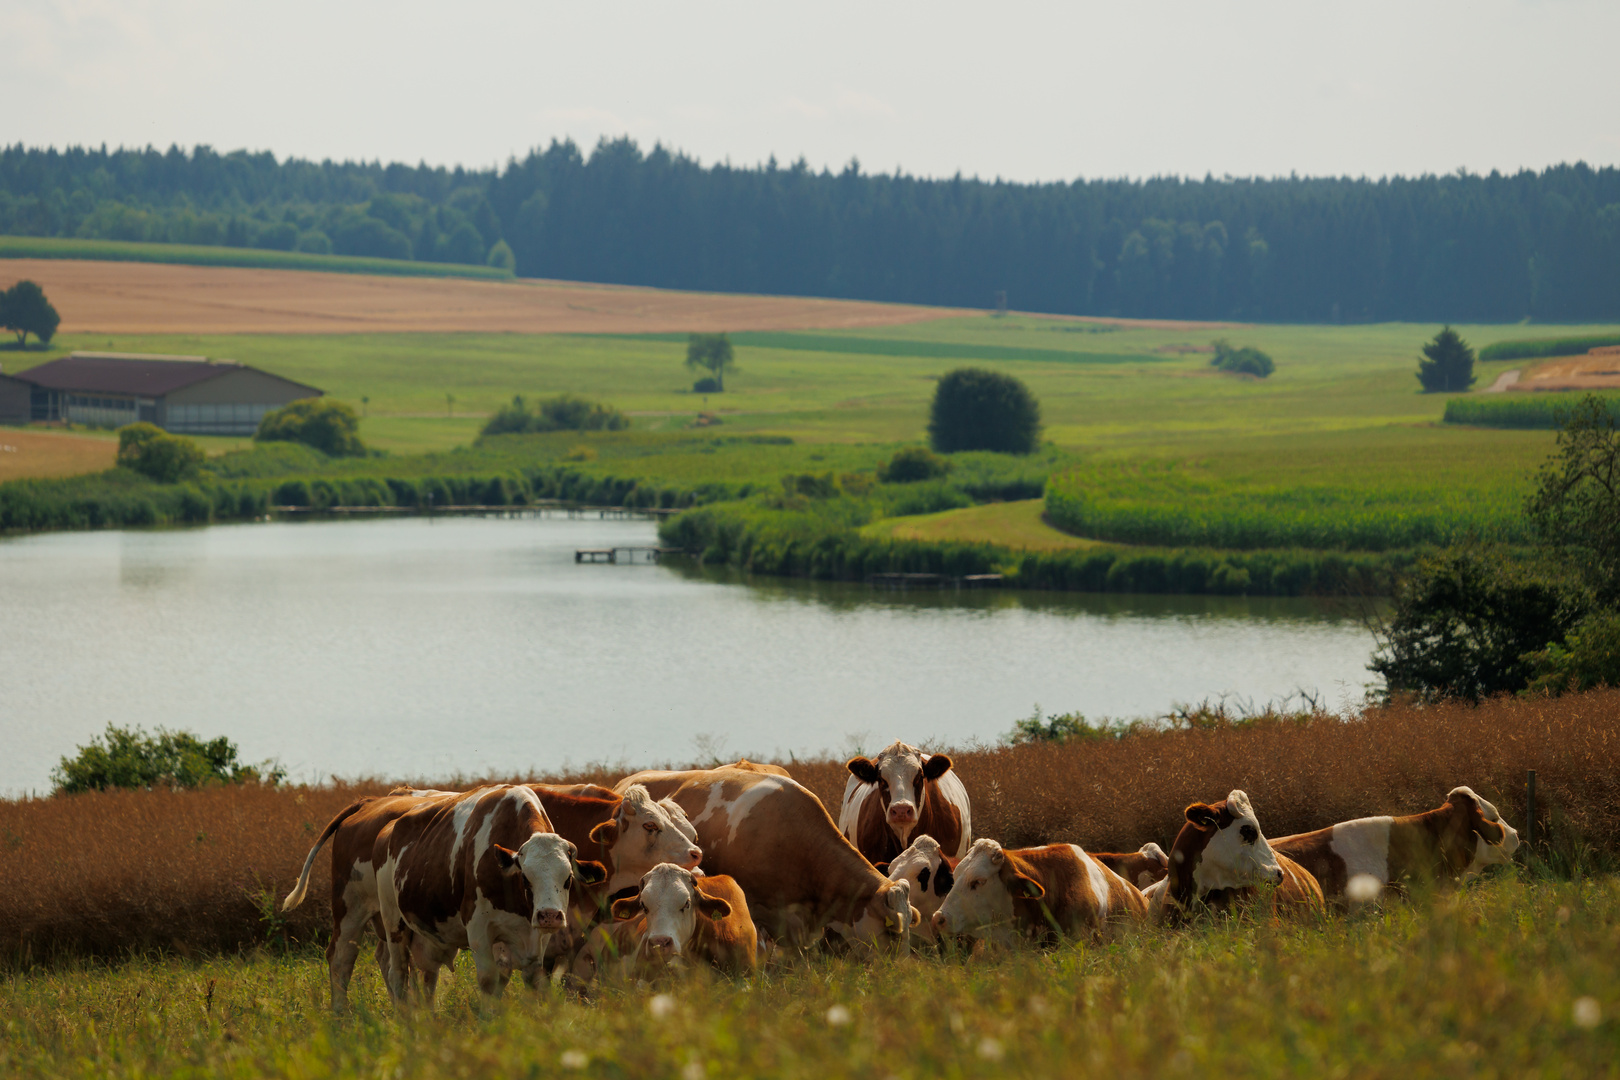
{"x":326,"y":425}
{"x":706,"y":386}
{"x":975,"y":409}
{"x":911,"y":464}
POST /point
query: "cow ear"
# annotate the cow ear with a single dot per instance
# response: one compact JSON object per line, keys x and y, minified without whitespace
{"x":1202,"y":816}
{"x":627,"y":907}
{"x":1025,"y":885}
{"x":591,"y":872}
{"x":506,"y":859}
{"x":882,"y":868}
{"x":936,"y":766}
{"x":606,"y":834}
{"x":713,"y":906}
{"x":863,"y":769}
{"x":943,"y":880}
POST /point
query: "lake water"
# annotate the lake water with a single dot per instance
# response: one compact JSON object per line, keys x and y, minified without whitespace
{"x":426,"y":649}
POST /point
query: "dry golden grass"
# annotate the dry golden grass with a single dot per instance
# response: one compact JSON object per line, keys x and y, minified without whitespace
{"x":26,"y":453}
{"x":104,"y":874}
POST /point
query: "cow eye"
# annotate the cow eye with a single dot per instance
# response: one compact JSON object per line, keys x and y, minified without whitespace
{"x":569,"y":884}
{"x":687,"y":906}
{"x":1250,"y":834}
{"x":974,"y":884}
{"x":650,"y":826}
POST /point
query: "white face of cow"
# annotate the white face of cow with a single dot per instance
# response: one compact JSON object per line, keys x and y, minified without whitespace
{"x":673,"y":905}
{"x":980,"y":903}
{"x":546,"y":862}
{"x":886,"y":922}
{"x":923,"y":867}
{"x":642,"y":836}
{"x":899,"y":772}
{"x":1487,"y":850}
{"x":1236,"y":854}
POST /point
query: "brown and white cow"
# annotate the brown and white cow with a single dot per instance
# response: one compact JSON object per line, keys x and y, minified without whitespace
{"x":1462,"y":837}
{"x":470,"y":872}
{"x":1040,"y":894}
{"x":900,"y":794}
{"x":675,"y":917}
{"x":777,"y":840}
{"x":928,"y":871}
{"x":1143,"y":867}
{"x":1220,"y":857}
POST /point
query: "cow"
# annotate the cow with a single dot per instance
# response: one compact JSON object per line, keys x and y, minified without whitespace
{"x":778,"y":841}
{"x":1219,"y":858}
{"x":675,"y":916}
{"x":1143,"y":867}
{"x":900,"y":794}
{"x":638,"y":836}
{"x":928,"y":872}
{"x":1460,"y":838}
{"x":1039,"y":894}
{"x":468,"y":872}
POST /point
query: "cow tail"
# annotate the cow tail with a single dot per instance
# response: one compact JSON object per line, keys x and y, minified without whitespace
{"x":296,"y":897}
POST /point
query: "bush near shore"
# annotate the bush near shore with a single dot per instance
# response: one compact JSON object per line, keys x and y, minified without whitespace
{"x":107,"y":874}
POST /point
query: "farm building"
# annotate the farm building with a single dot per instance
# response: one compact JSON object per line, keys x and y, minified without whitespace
{"x":15,"y":400}
{"x":188,"y":395}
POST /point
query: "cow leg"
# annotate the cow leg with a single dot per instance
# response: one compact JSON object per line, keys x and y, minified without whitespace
{"x":482,"y":948}
{"x":348,"y":922}
{"x":398,"y":969}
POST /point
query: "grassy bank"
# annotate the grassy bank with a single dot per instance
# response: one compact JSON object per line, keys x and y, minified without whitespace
{"x":1509,"y":978}
{"x":228,"y":852}
{"x":40,"y":247}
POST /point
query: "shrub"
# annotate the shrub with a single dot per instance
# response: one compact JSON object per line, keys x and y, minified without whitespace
{"x":1447,"y":365}
{"x":565,"y":412}
{"x":329,"y":426}
{"x":1243,"y":361}
{"x":1590,"y":659}
{"x":501,"y":257}
{"x":154,"y":453}
{"x":975,"y":409}
{"x":912,"y":463}
{"x":130,"y":758}
{"x":314,"y":242}
{"x":707,"y":385}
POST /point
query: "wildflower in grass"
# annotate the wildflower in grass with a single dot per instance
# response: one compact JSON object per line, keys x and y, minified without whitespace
{"x":574,"y":1059}
{"x":838,"y":1016}
{"x":693,"y":1070}
{"x":991,"y":1049}
{"x":1587,"y":1012}
{"x":660,"y":1006}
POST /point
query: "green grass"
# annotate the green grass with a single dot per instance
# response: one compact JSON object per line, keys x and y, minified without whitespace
{"x":1531,"y":411}
{"x":1501,"y":980}
{"x":1019,"y":525}
{"x":35,"y":247}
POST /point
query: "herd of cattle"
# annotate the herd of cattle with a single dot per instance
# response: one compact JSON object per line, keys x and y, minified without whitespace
{"x":698,"y":866}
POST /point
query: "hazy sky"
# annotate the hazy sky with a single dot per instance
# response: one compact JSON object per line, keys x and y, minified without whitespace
{"x":1024,"y":91}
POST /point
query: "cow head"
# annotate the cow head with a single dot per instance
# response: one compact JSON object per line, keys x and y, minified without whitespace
{"x":886,"y":921}
{"x":980,"y":902}
{"x":1221,"y":847}
{"x":901,"y":773}
{"x":1493,"y":841}
{"x":925,"y":869}
{"x":548,"y":865}
{"x":641,"y":835}
{"x":673,"y":904}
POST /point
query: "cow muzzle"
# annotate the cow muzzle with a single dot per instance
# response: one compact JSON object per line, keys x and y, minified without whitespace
{"x":549,"y":919}
{"x":902,"y":813}
{"x":661,"y":945}
{"x":938,"y":922}
{"x":1275,"y":875}
{"x":694,"y":855}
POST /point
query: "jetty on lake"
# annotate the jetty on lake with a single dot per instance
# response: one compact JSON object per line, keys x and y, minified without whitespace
{"x":623,"y":554}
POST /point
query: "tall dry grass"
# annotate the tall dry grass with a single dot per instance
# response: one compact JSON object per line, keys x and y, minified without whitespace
{"x":105,"y":874}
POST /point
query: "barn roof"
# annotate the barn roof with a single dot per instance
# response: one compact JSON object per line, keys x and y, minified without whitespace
{"x":143,"y":374}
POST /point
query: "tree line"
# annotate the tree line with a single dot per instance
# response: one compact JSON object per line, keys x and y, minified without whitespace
{"x":1462,"y":247}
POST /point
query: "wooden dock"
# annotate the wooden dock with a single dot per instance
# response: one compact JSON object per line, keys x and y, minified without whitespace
{"x":623,"y":554}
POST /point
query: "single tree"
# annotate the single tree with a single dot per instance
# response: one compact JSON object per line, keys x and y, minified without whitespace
{"x":976,"y":409}
{"x":156,"y":454}
{"x":365,"y":406}
{"x":1447,"y":366}
{"x":24,"y":310}
{"x":326,"y":425}
{"x":711,"y":353}
{"x":1576,"y":504}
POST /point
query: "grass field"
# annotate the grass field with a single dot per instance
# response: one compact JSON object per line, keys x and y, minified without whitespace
{"x":1019,"y":525}
{"x":39,"y":247}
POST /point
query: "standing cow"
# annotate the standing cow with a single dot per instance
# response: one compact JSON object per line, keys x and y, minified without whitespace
{"x":900,"y":794}
{"x":1461,"y":837}
{"x":470,"y":872}
{"x":775,"y":838}
{"x":1041,"y":894}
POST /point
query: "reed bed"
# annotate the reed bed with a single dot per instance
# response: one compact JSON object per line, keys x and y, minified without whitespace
{"x":114,"y":873}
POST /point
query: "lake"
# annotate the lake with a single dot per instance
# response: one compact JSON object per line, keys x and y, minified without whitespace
{"x":427,"y":649}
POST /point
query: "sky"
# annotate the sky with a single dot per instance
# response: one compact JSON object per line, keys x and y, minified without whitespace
{"x":1020,"y":91}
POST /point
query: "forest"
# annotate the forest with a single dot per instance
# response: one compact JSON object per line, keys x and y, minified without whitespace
{"x":1463,"y":247}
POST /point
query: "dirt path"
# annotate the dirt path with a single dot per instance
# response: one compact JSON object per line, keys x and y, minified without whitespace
{"x":152,"y":298}
{"x":1503,"y":381}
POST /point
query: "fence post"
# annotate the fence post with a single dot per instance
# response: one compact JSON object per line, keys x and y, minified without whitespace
{"x":1530,"y":809}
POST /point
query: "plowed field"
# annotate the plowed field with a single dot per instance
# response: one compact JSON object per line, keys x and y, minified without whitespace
{"x":40,"y":453}
{"x":148,"y":298}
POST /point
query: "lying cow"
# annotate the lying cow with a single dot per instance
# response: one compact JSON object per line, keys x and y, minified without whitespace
{"x":675,"y":916}
{"x":1143,"y":867}
{"x":900,"y":794}
{"x":1461,"y":837}
{"x":924,"y":867}
{"x":1219,"y":858}
{"x":470,"y":872}
{"x":779,"y":843}
{"x":1041,"y":894}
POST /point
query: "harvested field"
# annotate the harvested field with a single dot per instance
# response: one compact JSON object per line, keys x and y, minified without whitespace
{"x":149,"y":298}
{"x":25,"y":453}
{"x":1599,"y":369}
{"x":103,"y":874}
